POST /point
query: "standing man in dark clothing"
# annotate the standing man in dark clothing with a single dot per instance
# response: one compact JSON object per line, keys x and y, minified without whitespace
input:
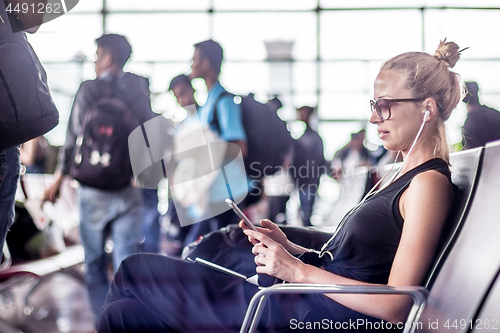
{"x":482,"y":124}
{"x":10,"y":165}
{"x":308,"y":164}
{"x":116,"y":213}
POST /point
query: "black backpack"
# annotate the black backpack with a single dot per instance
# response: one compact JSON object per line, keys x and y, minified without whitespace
{"x":101,"y":157}
{"x":26,"y":108}
{"x":268,"y":139}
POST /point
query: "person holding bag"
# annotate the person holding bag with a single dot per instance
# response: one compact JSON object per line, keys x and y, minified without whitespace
{"x":26,"y":110}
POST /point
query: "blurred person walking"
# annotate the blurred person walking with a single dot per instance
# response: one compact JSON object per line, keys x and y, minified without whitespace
{"x":354,"y":154}
{"x":183,"y":91}
{"x":207,"y":62}
{"x":278,"y":187}
{"x":114,"y":210}
{"x":308,"y":164}
{"x":482,"y":124}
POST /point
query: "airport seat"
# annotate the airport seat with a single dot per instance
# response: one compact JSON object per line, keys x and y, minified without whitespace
{"x":488,"y":318}
{"x":466,"y":168}
{"x":471,"y":267}
{"x":465,"y":172}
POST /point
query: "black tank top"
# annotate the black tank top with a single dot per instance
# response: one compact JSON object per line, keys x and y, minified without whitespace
{"x":365,"y":247}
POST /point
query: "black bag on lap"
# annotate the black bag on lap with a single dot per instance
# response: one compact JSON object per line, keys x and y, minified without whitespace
{"x":229,"y":247}
{"x":26,"y":108}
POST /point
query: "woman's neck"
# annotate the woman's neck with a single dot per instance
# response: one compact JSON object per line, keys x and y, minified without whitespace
{"x":421,"y":153}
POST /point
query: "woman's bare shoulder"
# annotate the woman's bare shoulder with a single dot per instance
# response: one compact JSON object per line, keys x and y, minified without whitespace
{"x":431,"y":180}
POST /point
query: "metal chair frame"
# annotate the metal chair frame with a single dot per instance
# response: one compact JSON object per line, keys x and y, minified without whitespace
{"x":258,"y":301}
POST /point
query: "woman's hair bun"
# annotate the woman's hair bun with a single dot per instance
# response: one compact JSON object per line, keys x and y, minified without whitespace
{"x":448,"y":53}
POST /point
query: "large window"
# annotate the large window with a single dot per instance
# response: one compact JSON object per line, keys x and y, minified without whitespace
{"x":337,"y":48}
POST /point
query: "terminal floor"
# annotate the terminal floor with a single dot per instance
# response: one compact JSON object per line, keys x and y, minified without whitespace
{"x":59,"y":305}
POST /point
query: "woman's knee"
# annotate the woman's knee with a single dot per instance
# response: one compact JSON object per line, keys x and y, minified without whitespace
{"x":129,"y":315}
{"x":142,"y":270}
{"x":142,"y":262}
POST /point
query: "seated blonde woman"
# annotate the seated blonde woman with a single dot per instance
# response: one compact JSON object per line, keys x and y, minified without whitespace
{"x":390,"y":238}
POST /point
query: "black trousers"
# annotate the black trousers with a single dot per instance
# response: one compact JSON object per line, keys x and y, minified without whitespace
{"x":155,"y":293}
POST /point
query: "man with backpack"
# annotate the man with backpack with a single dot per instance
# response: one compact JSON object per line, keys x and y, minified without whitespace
{"x":104,"y":113}
{"x":207,"y":61}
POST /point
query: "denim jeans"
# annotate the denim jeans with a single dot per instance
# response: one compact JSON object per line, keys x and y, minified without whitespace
{"x":150,"y":222}
{"x":9,"y":176}
{"x":306,"y":206}
{"x":107,"y":213}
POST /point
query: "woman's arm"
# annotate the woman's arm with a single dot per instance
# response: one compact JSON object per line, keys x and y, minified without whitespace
{"x":424,"y":207}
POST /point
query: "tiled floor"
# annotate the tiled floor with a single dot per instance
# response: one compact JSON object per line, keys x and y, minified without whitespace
{"x":59,"y":304}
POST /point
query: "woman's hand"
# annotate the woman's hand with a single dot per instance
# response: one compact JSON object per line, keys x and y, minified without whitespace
{"x":269,"y":229}
{"x":272,"y":258}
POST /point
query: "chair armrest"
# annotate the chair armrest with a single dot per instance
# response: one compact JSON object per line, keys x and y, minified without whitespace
{"x":256,"y":306}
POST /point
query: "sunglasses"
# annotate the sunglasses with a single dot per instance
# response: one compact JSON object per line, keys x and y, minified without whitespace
{"x":383,"y":106}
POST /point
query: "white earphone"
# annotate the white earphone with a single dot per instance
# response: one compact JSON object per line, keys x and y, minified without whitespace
{"x":427,"y":113}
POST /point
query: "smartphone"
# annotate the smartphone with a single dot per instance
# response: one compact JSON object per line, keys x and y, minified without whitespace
{"x":238,"y":212}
